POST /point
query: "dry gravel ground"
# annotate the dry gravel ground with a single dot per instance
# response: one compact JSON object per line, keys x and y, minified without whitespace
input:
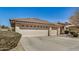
{"x":51,"y":43}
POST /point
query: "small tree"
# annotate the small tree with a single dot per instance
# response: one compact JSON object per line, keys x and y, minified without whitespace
{"x":74,"y":20}
{"x":75,"y":34}
{"x":66,"y":32}
{"x":2,"y":26}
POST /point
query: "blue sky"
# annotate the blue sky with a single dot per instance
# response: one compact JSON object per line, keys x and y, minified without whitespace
{"x":51,"y":14}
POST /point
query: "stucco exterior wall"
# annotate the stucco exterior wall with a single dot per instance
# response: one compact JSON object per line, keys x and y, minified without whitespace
{"x":4,"y":29}
{"x":53,"y":32}
{"x":32,"y":33}
{"x":35,"y":33}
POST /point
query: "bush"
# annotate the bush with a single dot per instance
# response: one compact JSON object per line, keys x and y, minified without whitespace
{"x":8,"y":40}
{"x":66,"y":32}
{"x":72,"y":33}
{"x":75,"y":34}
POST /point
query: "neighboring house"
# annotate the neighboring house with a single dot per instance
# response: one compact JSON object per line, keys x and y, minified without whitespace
{"x":73,"y":28}
{"x":32,"y":23}
{"x":34,"y":26}
{"x":29,"y":23}
{"x":3,"y":28}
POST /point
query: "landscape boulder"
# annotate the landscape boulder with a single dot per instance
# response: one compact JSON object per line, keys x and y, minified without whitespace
{"x":8,"y":40}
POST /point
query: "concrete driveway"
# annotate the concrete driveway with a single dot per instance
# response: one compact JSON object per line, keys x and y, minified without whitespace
{"x":52,"y":43}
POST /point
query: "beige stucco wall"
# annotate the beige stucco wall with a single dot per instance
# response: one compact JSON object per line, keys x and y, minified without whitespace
{"x":32,"y":33}
{"x":35,"y":33}
{"x":53,"y":32}
{"x":3,"y":29}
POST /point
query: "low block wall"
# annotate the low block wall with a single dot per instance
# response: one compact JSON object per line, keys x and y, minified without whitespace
{"x":53,"y":32}
{"x":32,"y":33}
{"x":35,"y":33}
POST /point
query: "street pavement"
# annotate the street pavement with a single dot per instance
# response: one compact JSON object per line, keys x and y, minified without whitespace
{"x":51,"y":43}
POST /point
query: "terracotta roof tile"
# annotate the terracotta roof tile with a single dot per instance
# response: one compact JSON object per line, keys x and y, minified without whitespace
{"x":30,"y":20}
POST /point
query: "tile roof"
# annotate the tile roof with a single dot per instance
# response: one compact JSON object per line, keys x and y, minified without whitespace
{"x":31,"y":20}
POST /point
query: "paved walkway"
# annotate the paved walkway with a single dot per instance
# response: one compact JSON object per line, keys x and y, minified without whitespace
{"x":48,"y":44}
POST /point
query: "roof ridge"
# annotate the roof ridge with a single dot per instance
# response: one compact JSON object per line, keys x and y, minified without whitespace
{"x":30,"y":19}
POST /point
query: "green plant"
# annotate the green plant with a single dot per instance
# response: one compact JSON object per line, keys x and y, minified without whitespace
{"x":75,"y":34}
{"x":66,"y":32}
{"x":72,"y":33}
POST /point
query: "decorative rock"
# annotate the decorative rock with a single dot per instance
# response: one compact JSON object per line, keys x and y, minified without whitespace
{"x":8,"y":40}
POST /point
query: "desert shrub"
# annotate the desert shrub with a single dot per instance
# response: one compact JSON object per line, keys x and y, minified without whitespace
{"x":75,"y":34}
{"x":66,"y":32}
{"x":72,"y":33}
{"x":9,"y":40}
